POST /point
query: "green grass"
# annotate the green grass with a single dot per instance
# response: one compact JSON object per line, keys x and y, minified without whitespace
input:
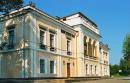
{"x":118,"y":76}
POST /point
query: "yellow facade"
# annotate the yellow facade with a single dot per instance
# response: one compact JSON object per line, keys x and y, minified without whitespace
{"x":50,"y":47}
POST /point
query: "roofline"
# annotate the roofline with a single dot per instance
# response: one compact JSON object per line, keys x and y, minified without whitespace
{"x":91,"y":31}
{"x":105,"y":45}
{"x":41,"y":12}
{"x":81,"y":15}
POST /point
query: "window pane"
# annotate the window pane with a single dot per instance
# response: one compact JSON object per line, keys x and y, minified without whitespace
{"x":51,"y":40}
{"x":68,"y":45}
{"x":42,"y":33}
{"x":51,"y":66}
{"x":42,"y":66}
{"x":11,"y":37}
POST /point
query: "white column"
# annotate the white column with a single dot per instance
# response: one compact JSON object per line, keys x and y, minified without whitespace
{"x":98,"y":56}
{"x":88,"y":71}
{"x":87,"y":40}
{"x":23,"y":26}
{"x":108,"y":63}
{"x":59,"y":61}
{"x":91,"y":47}
{"x":32,"y":36}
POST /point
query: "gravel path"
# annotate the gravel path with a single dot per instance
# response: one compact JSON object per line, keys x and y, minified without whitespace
{"x":106,"y":81}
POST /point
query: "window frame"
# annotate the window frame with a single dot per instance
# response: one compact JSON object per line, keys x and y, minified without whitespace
{"x":53,"y":39}
{"x":69,"y":48}
{"x":43,"y":67}
{"x":43,"y":42}
{"x":11,"y":38}
{"x":52,"y":67}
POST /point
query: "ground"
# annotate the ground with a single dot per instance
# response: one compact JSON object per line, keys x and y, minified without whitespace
{"x":114,"y":80}
{"x":106,"y":81}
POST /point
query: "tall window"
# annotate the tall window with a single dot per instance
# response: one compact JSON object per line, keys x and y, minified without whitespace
{"x":51,"y":66}
{"x":69,"y":47}
{"x":11,"y":37}
{"x":42,"y":37}
{"x":42,"y":66}
{"x":51,"y":40}
{"x":86,"y":68}
{"x":91,"y":69}
{"x":95,"y":69}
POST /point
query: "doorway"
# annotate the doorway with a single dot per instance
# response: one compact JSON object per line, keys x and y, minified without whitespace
{"x":68,"y":69}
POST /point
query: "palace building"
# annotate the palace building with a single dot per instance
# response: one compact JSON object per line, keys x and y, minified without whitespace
{"x":35,"y":44}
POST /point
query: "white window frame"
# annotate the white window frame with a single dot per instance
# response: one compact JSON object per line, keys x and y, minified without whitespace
{"x":45,"y":65}
{"x":44,"y":35}
{"x":14,"y":40}
{"x":70,"y":45}
{"x":54,"y":67}
{"x":54,"y":39}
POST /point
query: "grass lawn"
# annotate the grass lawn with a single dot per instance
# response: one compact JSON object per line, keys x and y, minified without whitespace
{"x":118,"y":76}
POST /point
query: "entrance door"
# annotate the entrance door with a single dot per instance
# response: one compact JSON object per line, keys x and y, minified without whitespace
{"x":68,"y":69}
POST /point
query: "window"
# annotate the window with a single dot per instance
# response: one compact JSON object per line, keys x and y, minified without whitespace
{"x":42,"y":66}
{"x":69,"y":47}
{"x":52,"y":42}
{"x":51,"y":66}
{"x":86,"y":68}
{"x":11,"y":38}
{"x":95,"y":69}
{"x":91,"y":69}
{"x":42,"y":39}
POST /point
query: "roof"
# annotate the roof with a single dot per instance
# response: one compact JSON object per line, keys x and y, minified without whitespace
{"x":82,"y":16}
{"x":40,"y":12}
{"x":104,"y":45}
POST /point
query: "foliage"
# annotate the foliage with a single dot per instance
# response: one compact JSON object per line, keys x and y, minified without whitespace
{"x":8,"y":5}
{"x":126,"y":48}
{"x":125,"y":61}
{"x":114,"y":69}
{"x":125,"y":67}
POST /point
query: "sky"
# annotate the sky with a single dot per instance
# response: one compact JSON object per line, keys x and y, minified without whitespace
{"x":111,"y":16}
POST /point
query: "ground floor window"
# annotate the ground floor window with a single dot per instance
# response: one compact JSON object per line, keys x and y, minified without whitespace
{"x":51,"y":66}
{"x":86,"y":68}
{"x":42,"y":66}
{"x":95,"y":69}
{"x":91,"y":69}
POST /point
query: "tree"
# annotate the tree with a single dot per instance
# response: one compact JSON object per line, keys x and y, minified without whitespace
{"x":125,"y":67}
{"x":126,"y":48}
{"x":125,"y":61}
{"x":9,"y":5}
{"x":114,"y":69}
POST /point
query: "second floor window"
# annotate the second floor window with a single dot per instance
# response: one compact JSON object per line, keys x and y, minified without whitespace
{"x":42,"y":37}
{"x":11,"y":37}
{"x":52,"y":41}
{"x":68,"y":45}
